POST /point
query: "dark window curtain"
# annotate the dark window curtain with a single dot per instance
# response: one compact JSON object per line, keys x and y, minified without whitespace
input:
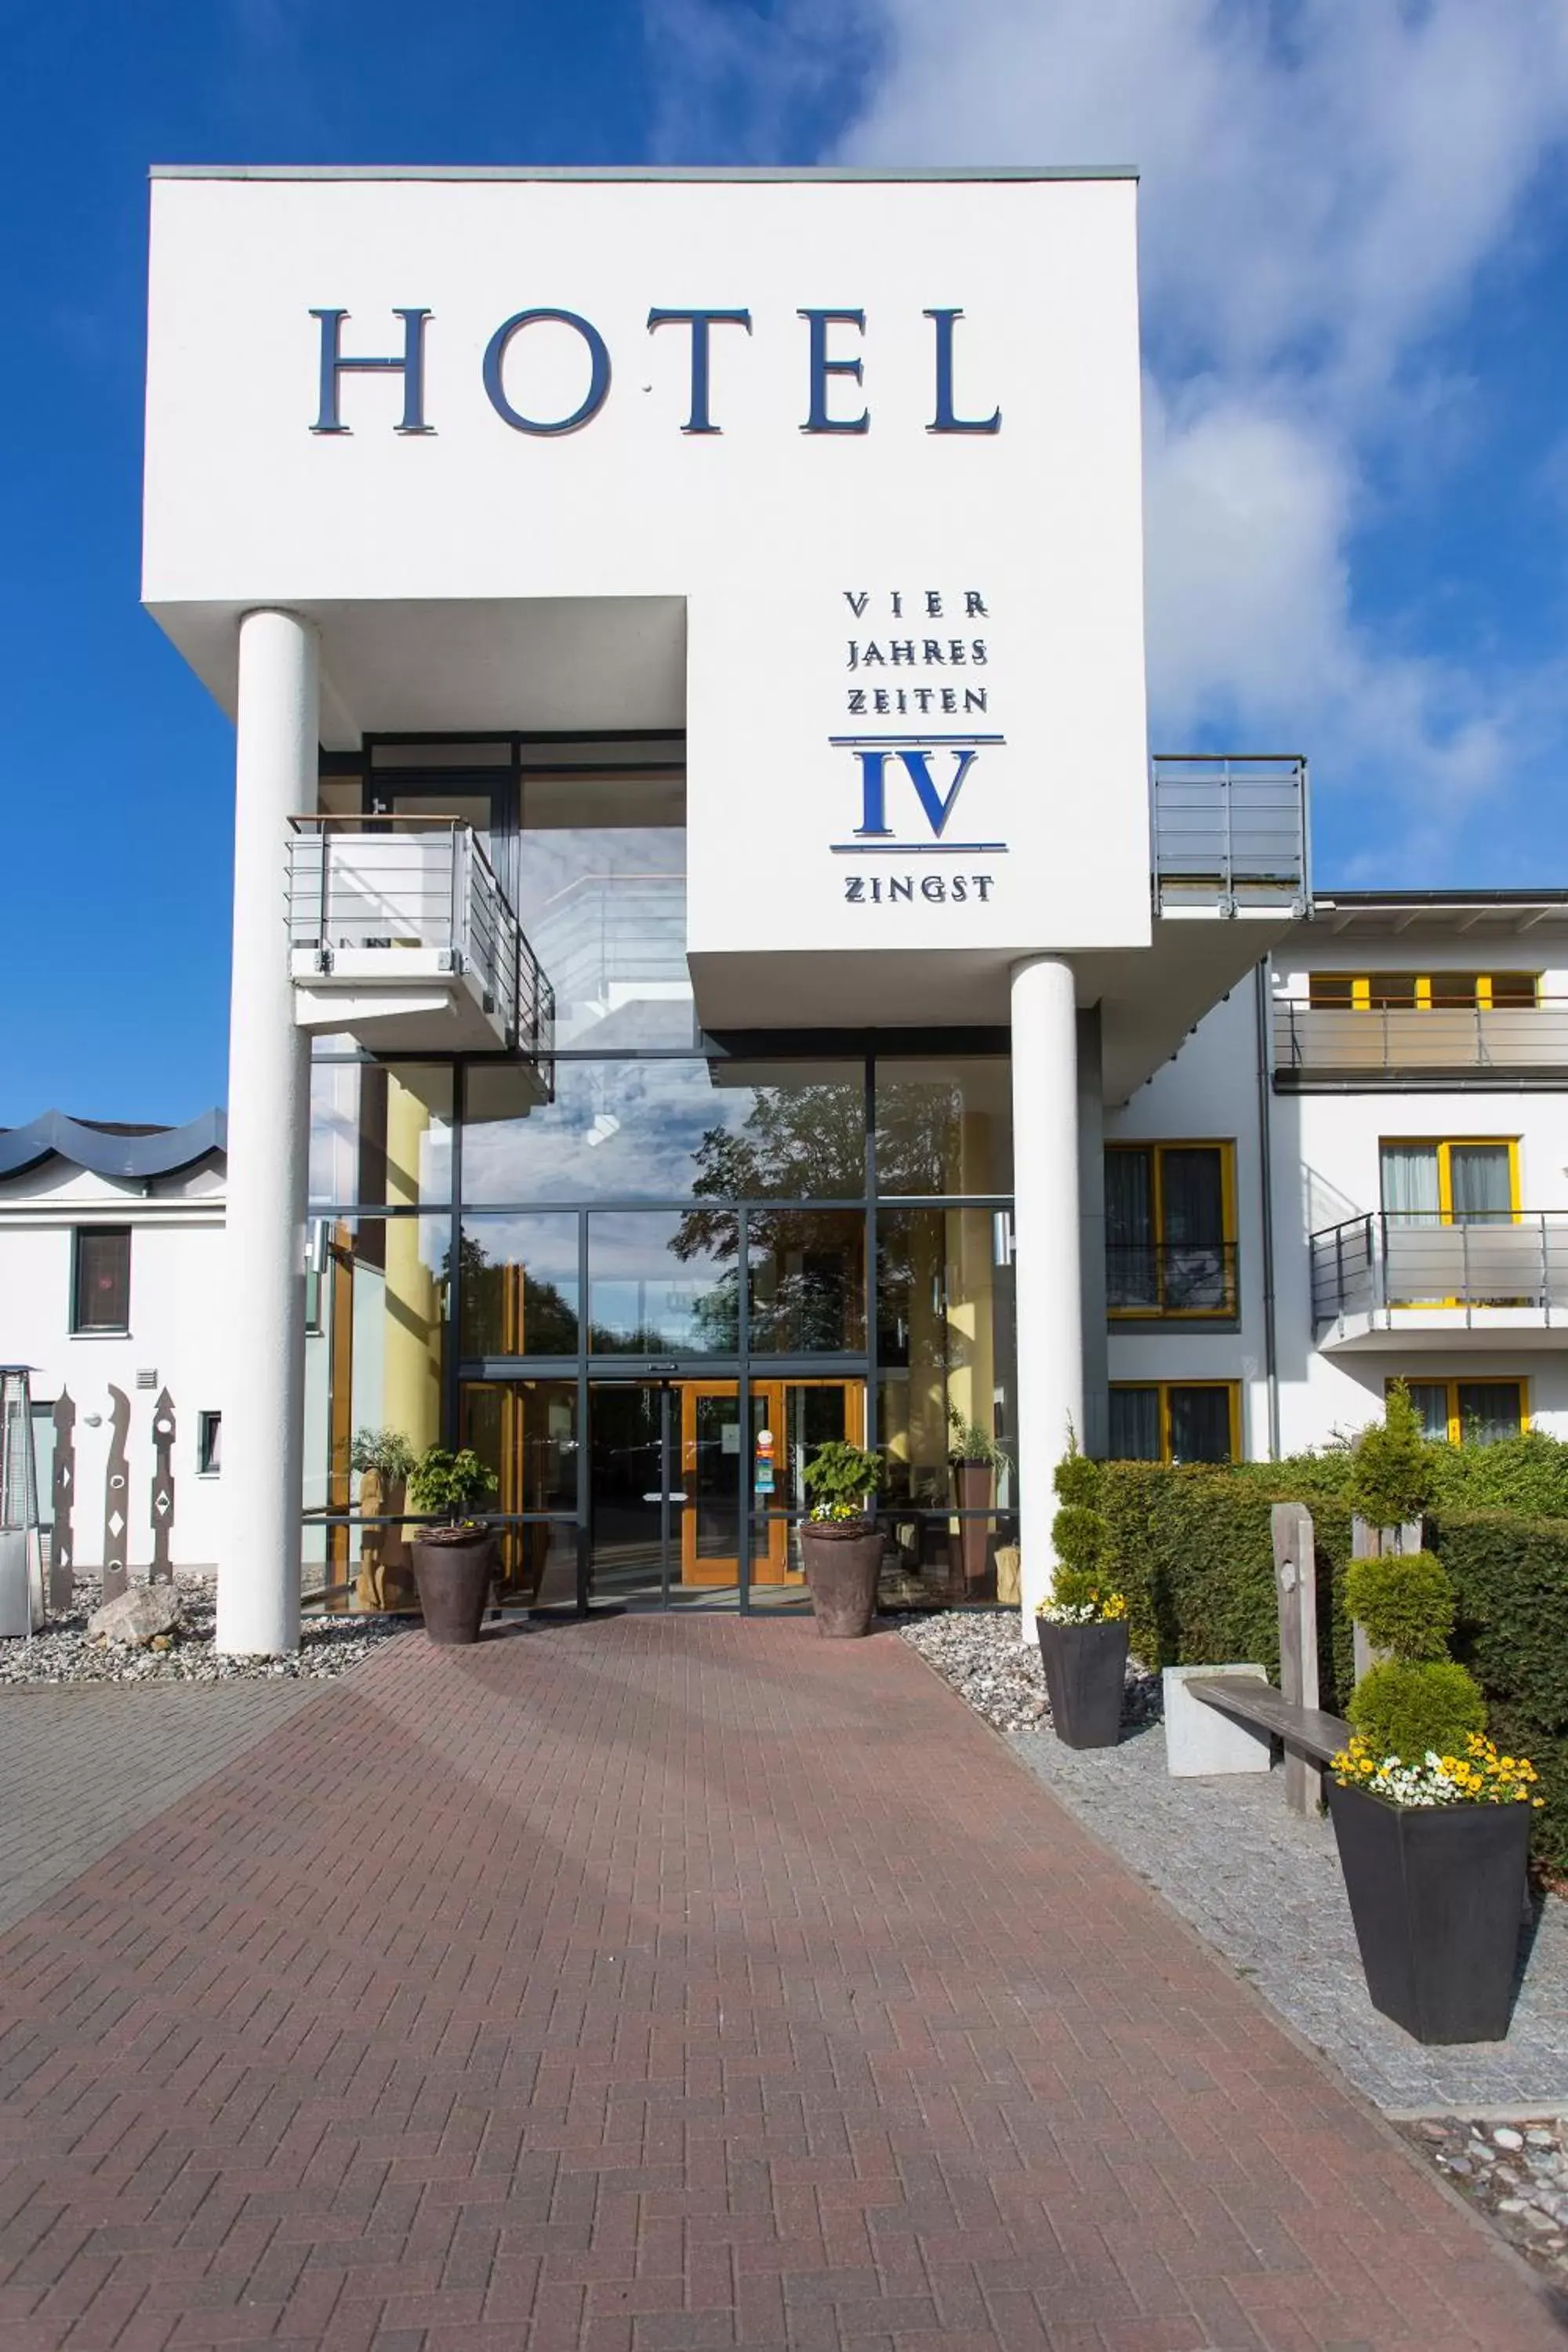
{"x":1131,"y":1273}
{"x":1200,"y":1425}
{"x":1134,"y":1424}
{"x":1194,"y":1196}
{"x":1430,"y":1399}
{"x":1488,"y":1410}
{"x":1192,"y":1209}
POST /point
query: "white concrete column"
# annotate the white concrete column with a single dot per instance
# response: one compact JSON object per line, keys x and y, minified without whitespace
{"x":275,"y":765}
{"x":1046,"y":1227}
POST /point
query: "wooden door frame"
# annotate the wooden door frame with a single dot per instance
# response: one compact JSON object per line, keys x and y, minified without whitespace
{"x":696,"y":1571}
{"x":771,"y":1564}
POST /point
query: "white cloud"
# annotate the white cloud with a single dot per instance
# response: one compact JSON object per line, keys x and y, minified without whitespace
{"x":1322,"y":185}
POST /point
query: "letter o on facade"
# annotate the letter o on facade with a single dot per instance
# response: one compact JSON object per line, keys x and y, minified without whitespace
{"x":593,"y":398}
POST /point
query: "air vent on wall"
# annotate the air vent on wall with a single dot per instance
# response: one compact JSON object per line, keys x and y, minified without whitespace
{"x":147,"y":1377}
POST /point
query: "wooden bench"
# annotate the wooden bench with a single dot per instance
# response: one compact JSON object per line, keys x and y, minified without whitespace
{"x":1307,"y":1729}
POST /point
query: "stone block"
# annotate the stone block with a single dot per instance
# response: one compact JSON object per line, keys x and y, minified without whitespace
{"x":1199,"y":1740}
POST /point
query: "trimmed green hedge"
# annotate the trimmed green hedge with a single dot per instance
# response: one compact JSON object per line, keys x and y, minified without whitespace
{"x":1192,"y":1549}
{"x":1510,"y":1583}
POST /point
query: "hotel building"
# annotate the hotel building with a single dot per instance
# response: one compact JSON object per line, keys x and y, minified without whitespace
{"x":715,"y":967}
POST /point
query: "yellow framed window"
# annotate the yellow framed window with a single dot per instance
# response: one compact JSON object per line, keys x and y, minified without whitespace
{"x":1176,"y":1421}
{"x":1170,"y":1229}
{"x":1450,"y":1180}
{"x":1470,"y":1412}
{"x":1421,"y":992}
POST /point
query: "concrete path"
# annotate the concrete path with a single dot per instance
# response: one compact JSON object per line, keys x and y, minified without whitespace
{"x":669,"y":1983}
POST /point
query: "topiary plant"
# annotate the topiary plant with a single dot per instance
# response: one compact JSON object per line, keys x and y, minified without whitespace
{"x":1081,"y":1591}
{"x":1080,"y":1536}
{"x":1077,"y":1479}
{"x":1407,"y":1709}
{"x":1392,"y":1477}
{"x":1406,"y":1601}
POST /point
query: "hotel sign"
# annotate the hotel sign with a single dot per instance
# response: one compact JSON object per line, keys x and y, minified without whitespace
{"x":905,"y":775}
{"x":833,"y":358}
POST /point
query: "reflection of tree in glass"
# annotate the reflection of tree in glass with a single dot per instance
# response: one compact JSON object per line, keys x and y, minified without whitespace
{"x":794,"y":1144}
{"x":507,"y":1310}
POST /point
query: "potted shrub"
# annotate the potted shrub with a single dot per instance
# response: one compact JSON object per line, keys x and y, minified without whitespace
{"x":1082,"y":1621}
{"x":453,"y":1565}
{"x":975,"y":1458}
{"x":1433,"y":1852}
{"x":1432,"y":1825}
{"x":840,"y":1542}
{"x":384,"y":1460}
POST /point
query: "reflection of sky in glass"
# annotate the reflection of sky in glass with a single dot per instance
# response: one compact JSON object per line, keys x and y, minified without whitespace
{"x":335,"y":1107}
{"x":606,"y":913}
{"x":640,"y":1293}
{"x":334,"y":1130}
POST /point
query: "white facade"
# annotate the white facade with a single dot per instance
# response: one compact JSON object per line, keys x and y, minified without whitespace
{"x":884,"y":399}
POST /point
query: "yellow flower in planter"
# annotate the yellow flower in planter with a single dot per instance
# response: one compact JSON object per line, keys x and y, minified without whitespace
{"x":1481,"y":1777}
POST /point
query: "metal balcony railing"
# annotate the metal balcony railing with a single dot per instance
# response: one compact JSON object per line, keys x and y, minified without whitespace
{"x":1386,"y":1265}
{"x":1231,"y":833}
{"x":1156,"y":1278}
{"x":1382,"y":1041}
{"x":364,"y":883}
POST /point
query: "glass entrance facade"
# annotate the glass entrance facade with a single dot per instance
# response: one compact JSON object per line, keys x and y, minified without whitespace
{"x":613,"y":1274}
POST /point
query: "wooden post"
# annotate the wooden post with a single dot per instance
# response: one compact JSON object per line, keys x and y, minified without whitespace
{"x":1296,"y":1589}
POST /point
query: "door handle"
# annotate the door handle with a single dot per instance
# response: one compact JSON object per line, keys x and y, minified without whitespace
{"x":664,"y":1499}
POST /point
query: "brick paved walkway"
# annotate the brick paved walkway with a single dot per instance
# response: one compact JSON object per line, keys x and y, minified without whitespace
{"x":676,"y":1983}
{"x":84,"y":1764}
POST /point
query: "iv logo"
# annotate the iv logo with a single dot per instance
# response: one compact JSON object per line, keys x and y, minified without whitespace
{"x":917,"y":760}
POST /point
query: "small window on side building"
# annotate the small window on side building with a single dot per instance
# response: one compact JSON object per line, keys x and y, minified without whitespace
{"x":101,"y":1285}
{"x":209,"y":1445}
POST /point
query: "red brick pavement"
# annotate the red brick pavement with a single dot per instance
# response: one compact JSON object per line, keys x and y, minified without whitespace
{"x":673,"y":1983}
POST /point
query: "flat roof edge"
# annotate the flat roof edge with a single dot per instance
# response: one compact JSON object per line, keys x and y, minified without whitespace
{"x":765,"y":172}
{"x":1369,"y":900}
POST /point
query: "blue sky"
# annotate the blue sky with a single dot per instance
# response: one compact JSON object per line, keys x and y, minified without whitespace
{"x":1355,"y":263}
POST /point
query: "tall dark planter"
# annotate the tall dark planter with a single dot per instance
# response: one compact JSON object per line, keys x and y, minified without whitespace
{"x":1086,"y":1671}
{"x":842,"y":1559}
{"x":454,"y":1574}
{"x":1436,"y":1894}
{"x":973,"y":1482}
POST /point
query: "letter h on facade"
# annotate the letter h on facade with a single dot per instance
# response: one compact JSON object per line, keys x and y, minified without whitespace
{"x":334,"y":363}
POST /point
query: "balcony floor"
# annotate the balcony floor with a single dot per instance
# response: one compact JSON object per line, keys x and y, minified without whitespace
{"x":395,"y":1000}
{"x":1431,"y":1331}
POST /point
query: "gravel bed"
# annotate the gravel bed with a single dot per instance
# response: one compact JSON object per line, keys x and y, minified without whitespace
{"x":62,"y":1653}
{"x":1517,"y":2173}
{"x":1265,"y":1888}
{"x":979,"y":1653}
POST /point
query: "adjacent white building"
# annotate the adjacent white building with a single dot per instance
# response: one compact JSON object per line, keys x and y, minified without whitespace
{"x":714,"y":968}
{"x":111,"y":1257}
